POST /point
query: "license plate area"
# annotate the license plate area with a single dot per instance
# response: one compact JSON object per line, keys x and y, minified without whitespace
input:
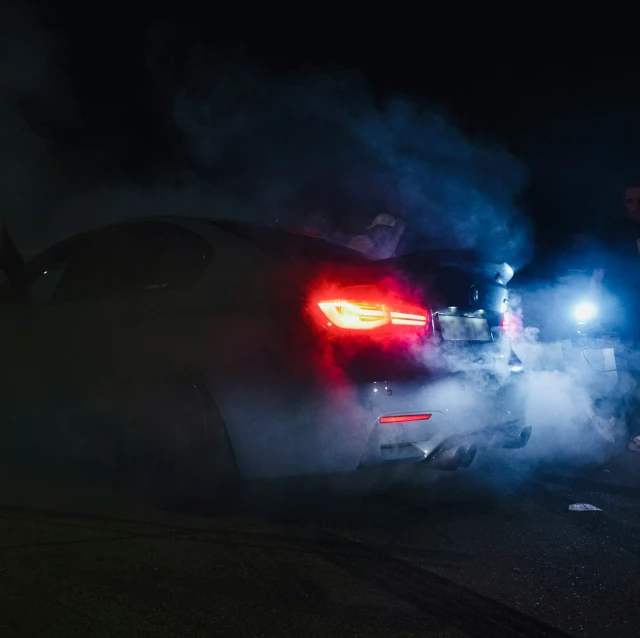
{"x":464,"y":328}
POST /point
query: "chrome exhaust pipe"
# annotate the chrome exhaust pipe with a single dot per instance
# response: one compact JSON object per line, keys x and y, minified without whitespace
{"x":469,"y":455}
{"x":451,"y":457}
{"x":518,"y":440}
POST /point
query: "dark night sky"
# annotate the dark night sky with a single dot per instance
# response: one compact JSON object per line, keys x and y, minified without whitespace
{"x":556,"y":82}
{"x":499,"y":69}
{"x":496,"y":67}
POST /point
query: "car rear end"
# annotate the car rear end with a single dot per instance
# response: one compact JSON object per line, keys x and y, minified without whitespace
{"x":429,"y":351}
{"x":411,"y":359}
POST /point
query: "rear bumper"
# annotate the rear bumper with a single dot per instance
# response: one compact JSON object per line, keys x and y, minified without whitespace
{"x":468,"y":413}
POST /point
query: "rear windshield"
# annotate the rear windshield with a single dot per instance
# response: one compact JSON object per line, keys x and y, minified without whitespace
{"x":281,"y":242}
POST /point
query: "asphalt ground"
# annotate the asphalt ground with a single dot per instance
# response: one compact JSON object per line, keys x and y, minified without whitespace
{"x":492,"y":550}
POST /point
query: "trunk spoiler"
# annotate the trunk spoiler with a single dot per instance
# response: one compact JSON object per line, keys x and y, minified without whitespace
{"x":501,"y":273}
{"x":12,"y":263}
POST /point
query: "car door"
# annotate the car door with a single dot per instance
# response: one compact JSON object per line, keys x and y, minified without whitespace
{"x":40,"y":363}
{"x":94,"y":324}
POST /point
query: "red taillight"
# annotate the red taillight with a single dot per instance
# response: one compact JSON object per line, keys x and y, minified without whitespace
{"x":365,"y":315}
{"x":408,"y":319}
{"x":405,"y":418}
{"x":354,"y":315}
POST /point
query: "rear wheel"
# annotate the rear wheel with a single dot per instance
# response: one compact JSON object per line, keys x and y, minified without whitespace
{"x":174,"y":451}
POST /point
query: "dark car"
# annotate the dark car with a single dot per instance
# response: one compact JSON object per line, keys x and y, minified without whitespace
{"x":195,"y":350}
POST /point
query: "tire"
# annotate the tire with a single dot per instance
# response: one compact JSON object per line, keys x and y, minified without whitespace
{"x":176,"y":453}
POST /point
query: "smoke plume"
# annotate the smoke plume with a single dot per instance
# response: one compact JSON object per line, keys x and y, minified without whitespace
{"x":319,"y":144}
{"x":242,"y":141}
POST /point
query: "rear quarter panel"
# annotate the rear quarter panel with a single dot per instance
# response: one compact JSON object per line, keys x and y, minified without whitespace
{"x":287,"y":407}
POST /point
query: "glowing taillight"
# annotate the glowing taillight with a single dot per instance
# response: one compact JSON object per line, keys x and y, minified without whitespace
{"x":364,"y":315}
{"x":354,"y":315}
{"x":405,"y":418}
{"x":408,"y":319}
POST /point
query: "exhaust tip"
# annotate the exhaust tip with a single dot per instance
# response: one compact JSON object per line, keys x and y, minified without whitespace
{"x":469,"y":455}
{"x":520,"y":440}
{"x":451,"y":457}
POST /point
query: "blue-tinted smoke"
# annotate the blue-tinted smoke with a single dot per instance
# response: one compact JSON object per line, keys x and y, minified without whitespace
{"x":320,"y":144}
{"x":269,"y":146}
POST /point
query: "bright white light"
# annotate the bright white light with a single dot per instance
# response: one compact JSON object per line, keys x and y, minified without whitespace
{"x":585,"y":311}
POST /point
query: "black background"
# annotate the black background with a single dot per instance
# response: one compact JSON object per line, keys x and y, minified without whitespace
{"x":556,"y":82}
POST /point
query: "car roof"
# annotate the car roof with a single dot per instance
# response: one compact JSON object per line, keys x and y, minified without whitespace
{"x":255,"y":233}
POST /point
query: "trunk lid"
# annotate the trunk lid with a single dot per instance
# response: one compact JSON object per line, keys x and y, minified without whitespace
{"x":459,"y":283}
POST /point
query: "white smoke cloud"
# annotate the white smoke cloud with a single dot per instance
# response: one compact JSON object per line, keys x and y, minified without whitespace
{"x":320,"y":142}
{"x":264,"y":147}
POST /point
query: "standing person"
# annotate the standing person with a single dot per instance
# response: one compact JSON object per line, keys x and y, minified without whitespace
{"x":381,"y":238}
{"x":619,"y":258}
{"x":619,"y":272}
{"x":630,"y":222}
{"x":621,"y":239}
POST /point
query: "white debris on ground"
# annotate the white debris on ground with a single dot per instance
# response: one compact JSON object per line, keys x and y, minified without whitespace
{"x":583,"y":507}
